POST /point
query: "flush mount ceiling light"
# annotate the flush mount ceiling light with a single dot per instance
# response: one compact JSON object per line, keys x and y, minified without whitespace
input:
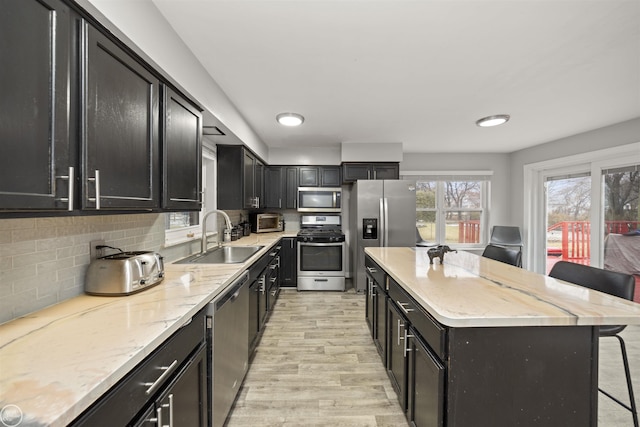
{"x":290,"y":119}
{"x":496,"y":120}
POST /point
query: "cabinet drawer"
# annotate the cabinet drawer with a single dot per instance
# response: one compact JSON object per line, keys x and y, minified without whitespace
{"x":431,"y":331}
{"x":377,"y":273}
{"x":120,"y":404}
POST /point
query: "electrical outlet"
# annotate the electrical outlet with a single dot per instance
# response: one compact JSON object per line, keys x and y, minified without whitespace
{"x":94,"y":252}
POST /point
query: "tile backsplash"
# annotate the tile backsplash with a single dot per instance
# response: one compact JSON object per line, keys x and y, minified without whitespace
{"x":43,"y":260}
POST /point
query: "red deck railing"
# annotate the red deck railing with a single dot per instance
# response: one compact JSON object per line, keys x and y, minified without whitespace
{"x":469,"y":231}
{"x":576,"y":237}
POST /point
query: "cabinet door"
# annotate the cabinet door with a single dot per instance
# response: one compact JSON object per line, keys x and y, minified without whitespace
{"x":37,"y":105}
{"x":274,"y":180}
{"x":426,"y":385}
{"x":258,"y":184}
{"x":249,"y":165}
{"x":184,"y":403}
{"x":292,"y":188}
{"x":380,"y":322}
{"x":289,"y":262}
{"x":396,"y":352}
{"x":370,"y":306}
{"x":182,"y":153}
{"x":386,"y":171}
{"x":254,"y":320}
{"x":119,"y":127}
{"x":352,"y":172}
{"x":330,"y":176}
{"x":308,"y":176}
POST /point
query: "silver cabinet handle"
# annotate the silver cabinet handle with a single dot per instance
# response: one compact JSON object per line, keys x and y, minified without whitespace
{"x":272,"y":280}
{"x":406,"y":343}
{"x":280,"y":203}
{"x":154,"y":385}
{"x":400,"y":325}
{"x":96,"y":180}
{"x":171,"y":410}
{"x":371,"y":270}
{"x":403,"y":308}
{"x":262,"y":284}
{"x":71,"y":186}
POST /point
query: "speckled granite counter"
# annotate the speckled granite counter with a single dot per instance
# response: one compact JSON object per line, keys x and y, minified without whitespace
{"x":471,"y":291}
{"x":56,"y":362}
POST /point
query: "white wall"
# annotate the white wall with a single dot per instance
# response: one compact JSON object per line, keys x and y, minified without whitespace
{"x":306,"y":156}
{"x":142,"y":23}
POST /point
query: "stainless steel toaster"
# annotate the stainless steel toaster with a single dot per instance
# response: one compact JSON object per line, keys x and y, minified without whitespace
{"x":124,"y":273}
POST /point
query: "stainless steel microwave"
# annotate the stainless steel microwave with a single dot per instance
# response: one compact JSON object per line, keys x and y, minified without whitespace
{"x":319,"y":199}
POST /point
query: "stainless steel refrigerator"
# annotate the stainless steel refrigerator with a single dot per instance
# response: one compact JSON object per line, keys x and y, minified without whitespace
{"x":382,"y":213}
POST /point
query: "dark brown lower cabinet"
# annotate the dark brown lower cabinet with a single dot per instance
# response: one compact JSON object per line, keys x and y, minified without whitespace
{"x":184,"y":401}
{"x":170,"y":384}
{"x":426,"y":375}
{"x":396,"y":353}
{"x":489,"y":376}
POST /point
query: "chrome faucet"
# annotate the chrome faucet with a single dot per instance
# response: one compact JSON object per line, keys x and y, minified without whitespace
{"x":204,"y":240}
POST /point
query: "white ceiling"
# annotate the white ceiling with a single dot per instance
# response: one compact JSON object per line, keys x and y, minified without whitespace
{"x":419,"y":72}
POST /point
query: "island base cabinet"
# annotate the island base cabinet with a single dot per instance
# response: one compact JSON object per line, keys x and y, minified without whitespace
{"x":524,"y":376}
{"x":396,"y":353}
{"x":425,"y":387}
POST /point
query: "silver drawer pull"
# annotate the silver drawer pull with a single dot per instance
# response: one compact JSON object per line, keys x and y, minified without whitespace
{"x":371,"y":270}
{"x":157,"y":383}
{"x":403,"y":308}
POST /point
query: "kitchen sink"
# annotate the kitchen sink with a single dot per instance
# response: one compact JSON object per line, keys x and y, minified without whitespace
{"x":223,"y":255}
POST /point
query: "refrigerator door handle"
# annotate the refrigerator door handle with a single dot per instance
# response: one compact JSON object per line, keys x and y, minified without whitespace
{"x":386,"y":222}
{"x":381,"y":226}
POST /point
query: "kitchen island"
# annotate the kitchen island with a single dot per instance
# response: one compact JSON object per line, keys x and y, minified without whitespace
{"x":505,"y":346}
{"x":57,"y":362}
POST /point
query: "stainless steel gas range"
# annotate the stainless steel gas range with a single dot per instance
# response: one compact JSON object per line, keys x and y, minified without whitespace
{"x":321,"y":253}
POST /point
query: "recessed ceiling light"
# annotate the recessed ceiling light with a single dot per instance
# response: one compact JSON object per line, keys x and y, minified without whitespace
{"x":290,"y":119}
{"x":496,"y":120}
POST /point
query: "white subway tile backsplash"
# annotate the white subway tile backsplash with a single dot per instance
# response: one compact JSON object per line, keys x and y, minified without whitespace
{"x":43,"y":260}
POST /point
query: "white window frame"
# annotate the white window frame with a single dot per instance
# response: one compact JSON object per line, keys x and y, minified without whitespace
{"x":535,"y":175}
{"x":441,"y":177}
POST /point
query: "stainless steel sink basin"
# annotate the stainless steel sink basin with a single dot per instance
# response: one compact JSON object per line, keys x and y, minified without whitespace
{"x":223,"y":255}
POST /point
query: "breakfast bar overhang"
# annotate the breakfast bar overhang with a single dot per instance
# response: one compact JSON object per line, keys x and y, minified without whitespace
{"x":520,"y":348}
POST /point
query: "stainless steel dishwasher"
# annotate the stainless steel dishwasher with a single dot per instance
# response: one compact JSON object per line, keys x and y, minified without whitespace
{"x":228,"y":325}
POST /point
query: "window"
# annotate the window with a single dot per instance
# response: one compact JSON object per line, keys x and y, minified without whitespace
{"x":575,"y":208}
{"x":452,"y":209}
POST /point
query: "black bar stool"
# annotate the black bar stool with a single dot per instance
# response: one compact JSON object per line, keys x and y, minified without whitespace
{"x":612,"y":283}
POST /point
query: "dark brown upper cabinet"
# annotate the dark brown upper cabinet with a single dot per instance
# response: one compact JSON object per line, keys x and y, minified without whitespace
{"x":37,"y":136}
{"x":353,"y":171}
{"x":119,"y":127}
{"x":319,"y":176}
{"x":182,"y":153}
{"x":240,"y":179}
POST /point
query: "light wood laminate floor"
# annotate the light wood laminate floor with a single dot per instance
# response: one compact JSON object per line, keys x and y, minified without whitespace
{"x":316,"y":365}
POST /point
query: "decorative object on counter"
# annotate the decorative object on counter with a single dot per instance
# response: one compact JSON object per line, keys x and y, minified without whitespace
{"x":438,"y":252}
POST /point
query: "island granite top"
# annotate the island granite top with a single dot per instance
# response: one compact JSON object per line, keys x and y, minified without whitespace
{"x":471,"y":291}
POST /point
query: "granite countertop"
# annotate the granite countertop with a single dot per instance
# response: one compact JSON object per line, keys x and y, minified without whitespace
{"x":56,"y":362}
{"x":472,"y":291}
